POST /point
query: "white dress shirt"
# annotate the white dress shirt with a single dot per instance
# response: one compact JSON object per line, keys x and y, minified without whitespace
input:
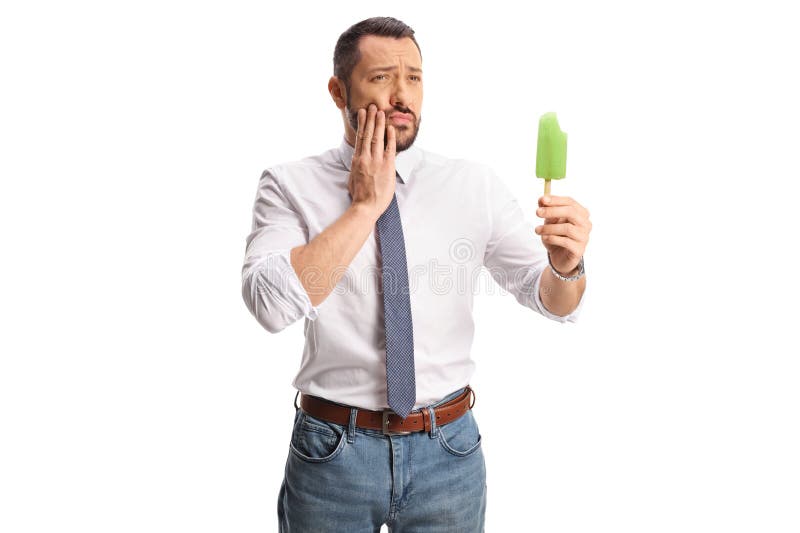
{"x":461,"y":224}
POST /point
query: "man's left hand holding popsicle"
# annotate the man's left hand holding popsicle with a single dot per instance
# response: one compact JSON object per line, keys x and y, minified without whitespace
{"x":566,"y":227}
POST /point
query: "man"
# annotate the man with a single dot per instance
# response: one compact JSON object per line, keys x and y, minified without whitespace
{"x":377,"y":243}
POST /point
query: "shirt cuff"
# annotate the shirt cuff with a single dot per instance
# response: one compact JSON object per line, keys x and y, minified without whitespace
{"x":572,"y":317}
{"x":276,"y":272}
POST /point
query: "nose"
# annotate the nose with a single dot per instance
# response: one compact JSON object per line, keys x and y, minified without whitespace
{"x":401,"y":96}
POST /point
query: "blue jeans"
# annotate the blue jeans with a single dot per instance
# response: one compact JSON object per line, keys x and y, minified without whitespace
{"x":346,"y":479}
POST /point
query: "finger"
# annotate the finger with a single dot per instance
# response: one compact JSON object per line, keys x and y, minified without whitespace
{"x":551,"y":199}
{"x":569,"y":212}
{"x":573,"y":246}
{"x":565,"y":230}
{"x":548,"y":201}
{"x":377,"y":138}
{"x":362,"y":115}
{"x":391,"y":143}
{"x":366,"y":149}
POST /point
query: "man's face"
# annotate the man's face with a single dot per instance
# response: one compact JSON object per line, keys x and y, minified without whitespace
{"x":388,"y":75}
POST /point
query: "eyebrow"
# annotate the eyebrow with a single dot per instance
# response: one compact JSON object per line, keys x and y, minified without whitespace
{"x":394,"y":67}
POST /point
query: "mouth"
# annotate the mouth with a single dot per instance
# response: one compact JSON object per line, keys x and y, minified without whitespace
{"x":400,"y":118}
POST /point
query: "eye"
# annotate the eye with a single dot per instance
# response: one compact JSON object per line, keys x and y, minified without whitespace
{"x":378,"y":76}
{"x":417,"y":78}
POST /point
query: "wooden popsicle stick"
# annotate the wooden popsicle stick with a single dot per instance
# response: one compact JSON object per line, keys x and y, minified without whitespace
{"x":546,"y":187}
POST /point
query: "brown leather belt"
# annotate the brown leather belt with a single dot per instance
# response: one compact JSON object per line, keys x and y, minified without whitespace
{"x":387,"y":420}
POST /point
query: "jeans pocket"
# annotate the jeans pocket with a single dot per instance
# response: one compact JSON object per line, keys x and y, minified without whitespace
{"x":461,"y":437}
{"x":315,"y":440}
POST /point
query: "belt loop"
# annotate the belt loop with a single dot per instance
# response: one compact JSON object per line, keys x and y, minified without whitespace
{"x":296,"y":407}
{"x":351,"y":426}
{"x":432,"y":414}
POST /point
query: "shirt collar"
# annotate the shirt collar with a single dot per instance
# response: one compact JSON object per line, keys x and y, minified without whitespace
{"x":404,"y":162}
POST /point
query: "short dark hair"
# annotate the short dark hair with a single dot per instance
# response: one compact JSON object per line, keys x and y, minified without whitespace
{"x":346,"y":55}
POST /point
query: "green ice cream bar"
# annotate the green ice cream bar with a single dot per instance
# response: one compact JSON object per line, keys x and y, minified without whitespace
{"x":551,"y":149}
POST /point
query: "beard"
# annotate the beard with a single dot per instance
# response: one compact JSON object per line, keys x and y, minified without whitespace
{"x":409,"y":131}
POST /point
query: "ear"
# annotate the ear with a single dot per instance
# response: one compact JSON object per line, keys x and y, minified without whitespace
{"x":337,"y":92}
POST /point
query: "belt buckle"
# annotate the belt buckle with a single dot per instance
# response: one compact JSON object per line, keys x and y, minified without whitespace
{"x":385,"y":424}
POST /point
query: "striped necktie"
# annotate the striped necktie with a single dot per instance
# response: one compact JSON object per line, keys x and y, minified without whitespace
{"x":400,"y":382}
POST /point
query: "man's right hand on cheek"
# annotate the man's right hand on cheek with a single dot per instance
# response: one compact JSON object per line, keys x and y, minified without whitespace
{"x":372,"y":172}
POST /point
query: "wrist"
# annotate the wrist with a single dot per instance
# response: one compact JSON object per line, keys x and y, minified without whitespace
{"x":574,"y":275}
{"x":364,"y":211}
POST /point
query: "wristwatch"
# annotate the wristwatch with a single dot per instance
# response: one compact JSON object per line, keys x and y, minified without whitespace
{"x":576,"y":277}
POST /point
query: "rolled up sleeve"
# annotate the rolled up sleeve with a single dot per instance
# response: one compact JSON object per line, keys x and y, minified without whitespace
{"x":270,"y":287}
{"x":514,"y":256}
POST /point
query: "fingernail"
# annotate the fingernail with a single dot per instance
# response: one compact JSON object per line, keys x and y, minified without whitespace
{"x":547,"y":199}
{"x":540,"y":211}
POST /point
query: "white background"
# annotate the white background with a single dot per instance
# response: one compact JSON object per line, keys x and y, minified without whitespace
{"x":137,"y":393}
